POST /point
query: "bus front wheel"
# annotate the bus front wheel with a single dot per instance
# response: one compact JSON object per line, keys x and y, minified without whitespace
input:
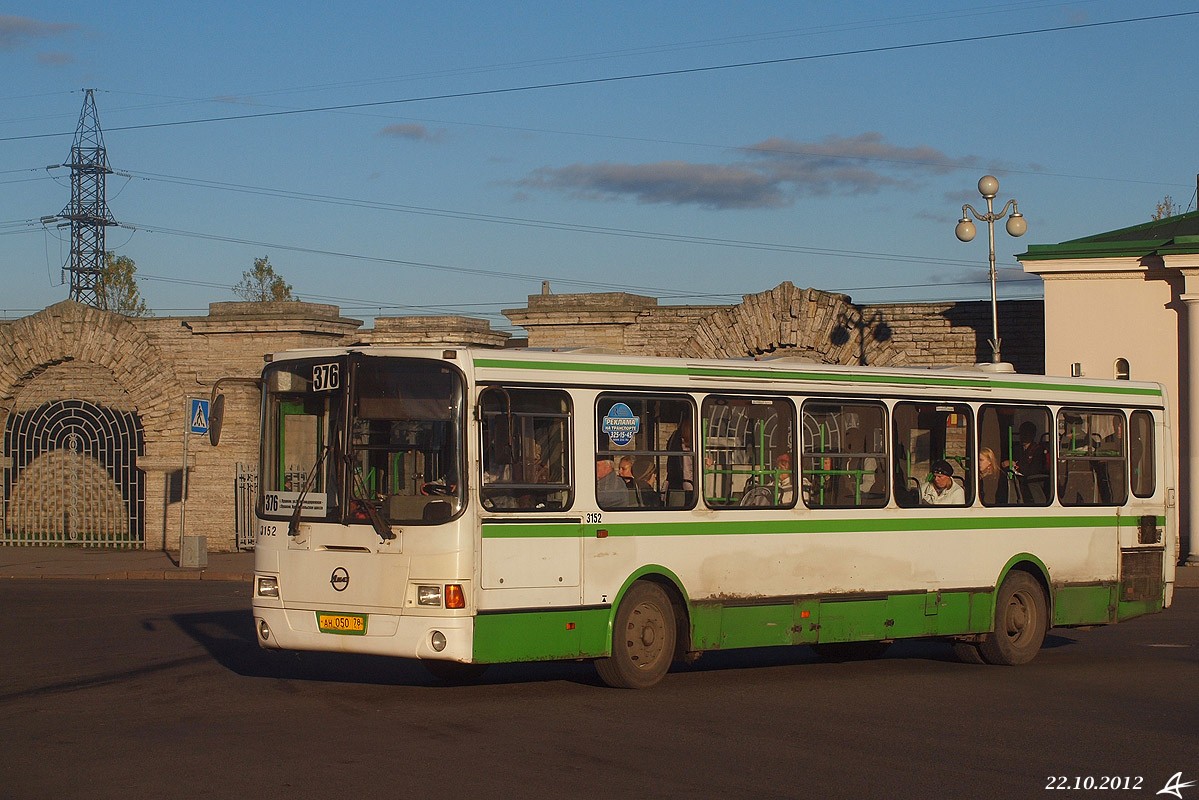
{"x":643,"y":639}
{"x":1021,"y":621}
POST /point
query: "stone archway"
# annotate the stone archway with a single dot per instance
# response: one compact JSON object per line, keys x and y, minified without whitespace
{"x":69,"y":331}
{"x":132,"y":402}
{"x":806,"y":323}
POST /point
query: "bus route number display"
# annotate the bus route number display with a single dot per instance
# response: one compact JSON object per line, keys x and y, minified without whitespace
{"x":326,"y":377}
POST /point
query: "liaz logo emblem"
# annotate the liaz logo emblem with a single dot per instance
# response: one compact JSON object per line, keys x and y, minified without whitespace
{"x":340,"y":579}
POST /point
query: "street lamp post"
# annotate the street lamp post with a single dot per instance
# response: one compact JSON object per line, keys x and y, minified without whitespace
{"x":988,"y":187}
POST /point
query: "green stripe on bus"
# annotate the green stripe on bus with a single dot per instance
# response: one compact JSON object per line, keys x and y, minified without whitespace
{"x":586,"y":633}
{"x":786,"y":526}
{"x":691,"y":371}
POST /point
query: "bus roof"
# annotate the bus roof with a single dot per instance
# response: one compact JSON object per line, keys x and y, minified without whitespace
{"x":591,"y":366}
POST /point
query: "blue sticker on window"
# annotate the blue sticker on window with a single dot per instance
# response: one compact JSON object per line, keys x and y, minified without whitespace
{"x":620,"y":424}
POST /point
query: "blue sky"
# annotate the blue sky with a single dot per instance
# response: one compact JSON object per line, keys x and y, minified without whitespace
{"x":396,"y":158}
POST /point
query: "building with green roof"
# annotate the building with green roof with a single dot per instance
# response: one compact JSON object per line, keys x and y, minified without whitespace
{"x":1125,"y":304}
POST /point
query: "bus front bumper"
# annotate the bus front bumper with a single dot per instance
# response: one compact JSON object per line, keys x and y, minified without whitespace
{"x":421,"y":637}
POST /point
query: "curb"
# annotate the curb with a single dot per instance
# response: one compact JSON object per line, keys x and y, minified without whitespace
{"x":136,"y":575}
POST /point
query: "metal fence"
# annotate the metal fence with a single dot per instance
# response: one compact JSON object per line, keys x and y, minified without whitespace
{"x":247,"y":498}
{"x":70,"y":477}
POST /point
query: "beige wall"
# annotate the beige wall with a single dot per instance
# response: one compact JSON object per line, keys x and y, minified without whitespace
{"x":151,"y":366}
{"x":1098,"y":310}
{"x":1093,"y":321}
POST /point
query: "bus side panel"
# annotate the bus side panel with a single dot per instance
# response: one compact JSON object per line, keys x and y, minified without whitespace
{"x":542,"y":635}
{"x":1084,"y":605}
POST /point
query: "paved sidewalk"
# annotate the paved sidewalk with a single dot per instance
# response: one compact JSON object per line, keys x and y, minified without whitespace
{"x":82,"y":563}
{"x":139,"y":565}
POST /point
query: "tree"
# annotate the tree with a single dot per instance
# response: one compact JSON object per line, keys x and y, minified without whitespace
{"x":1165,"y":208}
{"x":262,"y":285}
{"x":118,"y":287}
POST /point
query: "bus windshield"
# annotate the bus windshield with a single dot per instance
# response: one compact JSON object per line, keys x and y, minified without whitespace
{"x":343,"y":432}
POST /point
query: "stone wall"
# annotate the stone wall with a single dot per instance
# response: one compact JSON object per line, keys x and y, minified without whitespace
{"x":804,"y":322}
{"x":152,"y":366}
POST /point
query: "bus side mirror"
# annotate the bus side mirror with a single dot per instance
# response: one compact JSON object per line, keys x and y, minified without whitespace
{"x":216,"y":415}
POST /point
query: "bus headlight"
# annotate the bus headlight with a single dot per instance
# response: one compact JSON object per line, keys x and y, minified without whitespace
{"x":438,"y":641}
{"x":428,"y":596}
{"x":268,"y":586}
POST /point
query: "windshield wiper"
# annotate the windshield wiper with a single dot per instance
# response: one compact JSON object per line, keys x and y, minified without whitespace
{"x":293,"y":524}
{"x":362,"y":501}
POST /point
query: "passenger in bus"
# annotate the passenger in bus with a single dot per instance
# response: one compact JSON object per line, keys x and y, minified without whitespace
{"x":992,"y":482}
{"x":785,"y":486}
{"x":643,"y":494}
{"x":610,"y":490}
{"x":680,"y":469}
{"x":942,"y":489}
{"x":1031,"y":463}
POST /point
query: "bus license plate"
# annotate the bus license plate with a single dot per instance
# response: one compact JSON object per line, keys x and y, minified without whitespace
{"x":351,"y":624}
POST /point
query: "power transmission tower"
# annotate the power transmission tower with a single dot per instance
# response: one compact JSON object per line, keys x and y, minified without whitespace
{"x":88,"y":212}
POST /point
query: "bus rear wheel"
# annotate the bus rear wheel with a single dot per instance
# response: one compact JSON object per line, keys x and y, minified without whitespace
{"x":1021,"y":622}
{"x":643,"y":639}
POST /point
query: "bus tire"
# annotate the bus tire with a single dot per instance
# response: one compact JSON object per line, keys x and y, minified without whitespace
{"x":643,"y":639}
{"x":1021,"y":621}
{"x":967,"y":653}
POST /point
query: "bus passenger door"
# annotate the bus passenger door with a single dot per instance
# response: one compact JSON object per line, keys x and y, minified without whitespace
{"x":1142,"y":559}
{"x":1142,"y":519}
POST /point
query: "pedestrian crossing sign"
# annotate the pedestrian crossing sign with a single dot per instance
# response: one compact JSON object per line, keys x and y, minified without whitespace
{"x":199,"y":416}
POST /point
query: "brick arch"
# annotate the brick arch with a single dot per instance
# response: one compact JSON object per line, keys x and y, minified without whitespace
{"x":806,"y":323}
{"x":70,"y":331}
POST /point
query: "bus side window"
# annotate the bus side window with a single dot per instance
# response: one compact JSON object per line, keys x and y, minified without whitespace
{"x":526,"y":449}
{"x":747,"y":447}
{"x":935,"y":441}
{"x":1092,"y":458}
{"x":844,"y":455}
{"x":650,"y":437}
{"x":1013,"y":459}
{"x":1142,"y":454}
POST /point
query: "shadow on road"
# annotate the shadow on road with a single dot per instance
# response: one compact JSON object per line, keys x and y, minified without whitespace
{"x":230,"y":638}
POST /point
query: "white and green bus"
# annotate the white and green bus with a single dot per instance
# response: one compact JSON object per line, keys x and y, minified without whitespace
{"x":469,"y":507}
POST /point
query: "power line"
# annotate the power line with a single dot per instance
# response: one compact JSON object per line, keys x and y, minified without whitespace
{"x":547,"y":224}
{"x":633,"y":76}
{"x":670,"y":47}
{"x":525,"y":278}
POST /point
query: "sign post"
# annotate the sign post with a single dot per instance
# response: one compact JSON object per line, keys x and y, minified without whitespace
{"x":193,"y":550}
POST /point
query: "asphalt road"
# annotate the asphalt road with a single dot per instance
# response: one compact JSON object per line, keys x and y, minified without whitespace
{"x":157,"y":689}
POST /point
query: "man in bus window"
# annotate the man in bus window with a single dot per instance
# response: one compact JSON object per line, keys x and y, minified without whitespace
{"x":1031,"y":462}
{"x":610,"y":490}
{"x":942,"y":489}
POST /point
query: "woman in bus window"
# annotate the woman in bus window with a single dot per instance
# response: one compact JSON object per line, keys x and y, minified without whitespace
{"x":992,"y":486}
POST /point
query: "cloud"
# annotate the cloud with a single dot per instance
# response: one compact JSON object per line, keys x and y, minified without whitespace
{"x":850,"y":165}
{"x":417,"y":133}
{"x":772,"y":173}
{"x":676,"y":182}
{"x":17,"y":31}
{"x":55,"y":59}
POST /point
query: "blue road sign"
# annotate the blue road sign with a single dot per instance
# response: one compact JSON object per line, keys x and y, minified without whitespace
{"x":199,"y":416}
